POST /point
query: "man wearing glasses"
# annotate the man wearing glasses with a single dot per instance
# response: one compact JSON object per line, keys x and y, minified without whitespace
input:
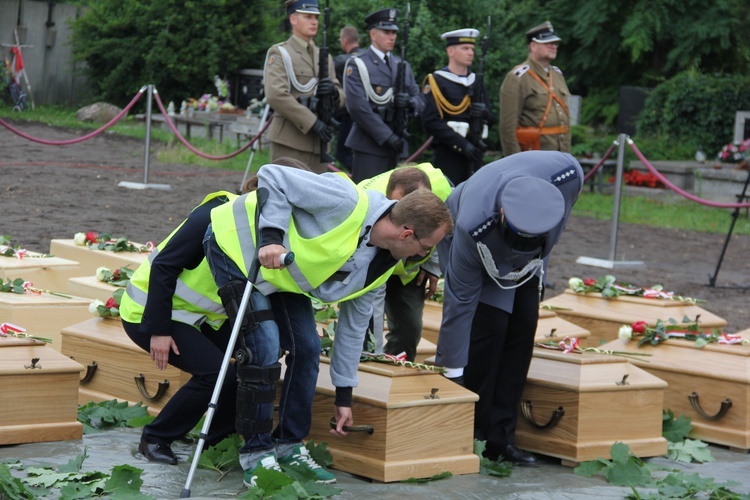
{"x":534,"y":99}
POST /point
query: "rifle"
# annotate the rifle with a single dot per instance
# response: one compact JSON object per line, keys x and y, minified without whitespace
{"x":401,"y":114}
{"x":326,"y":107}
{"x":476,"y":123}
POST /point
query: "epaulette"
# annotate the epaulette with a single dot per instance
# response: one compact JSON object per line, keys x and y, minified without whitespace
{"x":557,"y":69}
{"x":521,"y":70}
{"x":479,"y":232}
{"x":564,"y":175}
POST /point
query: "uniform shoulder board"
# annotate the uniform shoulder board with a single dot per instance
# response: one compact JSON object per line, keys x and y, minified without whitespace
{"x":564,"y":175}
{"x":479,"y":232}
{"x":557,"y":69}
{"x":521,"y":70}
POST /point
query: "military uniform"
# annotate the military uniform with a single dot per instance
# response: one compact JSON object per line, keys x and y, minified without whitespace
{"x":531,"y":96}
{"x":493,"y":265}
{"x":343,"y":153}
{"x":448,"y":98}
{"x":290,"y":131}
{"x":370,"y":105}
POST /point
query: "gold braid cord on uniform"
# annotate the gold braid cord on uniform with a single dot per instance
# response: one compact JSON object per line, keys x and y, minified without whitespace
{"x":443,"y":105}
{"x":529,"y":138}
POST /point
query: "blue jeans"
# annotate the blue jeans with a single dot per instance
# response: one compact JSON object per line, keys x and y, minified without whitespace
{"x":294,"y":330}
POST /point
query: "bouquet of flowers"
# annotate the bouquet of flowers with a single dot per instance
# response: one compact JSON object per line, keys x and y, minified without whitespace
{"x":11,"y":330}
{"x":21,"y":286}
{"x":734,"y":152}
{"x":118,"y":277}
{"x":609,"y":288}
{"x":105,"y":241}
{"x":671,"y":329}
{"x":109,"y":309}
{"x":9,"y":250}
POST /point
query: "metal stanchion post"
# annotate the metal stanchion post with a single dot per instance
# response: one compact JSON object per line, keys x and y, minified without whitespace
{"x":611,"y":263}
{"x":147,"y":155}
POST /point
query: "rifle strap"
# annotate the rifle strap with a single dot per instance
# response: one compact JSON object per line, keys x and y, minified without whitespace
{"x":443,"y":105}
{"x":291,"y":77}
{"x":364,"y":75}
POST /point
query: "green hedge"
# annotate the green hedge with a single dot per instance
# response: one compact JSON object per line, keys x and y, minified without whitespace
{"x":699,"y":109}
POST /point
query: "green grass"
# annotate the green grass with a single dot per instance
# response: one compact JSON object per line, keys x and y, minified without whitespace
{"x":674,"y":214}
{"x":670,"y":213}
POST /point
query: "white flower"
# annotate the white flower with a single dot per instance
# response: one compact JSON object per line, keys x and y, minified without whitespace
{"x":575,"y":284}
{"x":79,"y":239}
{"x":625,"y":333}
{"x":100,"y":273}
{"x":93,"y":307}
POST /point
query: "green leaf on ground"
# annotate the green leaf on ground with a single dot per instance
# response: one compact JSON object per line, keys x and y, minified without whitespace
{"x":675,"y":430}
{"x":109,"y":414}
{"x":11,"y":487}
{"x":125,"y":482}
{"x":224,"y":456}
{"x":690,"y":450}
{"x":319,"y":452}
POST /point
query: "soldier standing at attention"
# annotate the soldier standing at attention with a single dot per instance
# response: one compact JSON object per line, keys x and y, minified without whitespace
{"x":451,"y":97}
{"x":534,"y":99}
{"x":293,"y":89}
{"x":349,"y":41}
{"x":369,"y":82}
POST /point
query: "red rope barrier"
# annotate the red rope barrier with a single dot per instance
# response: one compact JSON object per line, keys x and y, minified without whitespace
{"x":82,"y":138}
{"x":599,"y":165}
{"x":420,"y":150}
{"x":676,"y":189}
{"x":196,"y":151}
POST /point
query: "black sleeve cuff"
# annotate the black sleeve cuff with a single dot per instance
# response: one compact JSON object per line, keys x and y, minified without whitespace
{"x":343,"y":397}
{"x":272,"y":236}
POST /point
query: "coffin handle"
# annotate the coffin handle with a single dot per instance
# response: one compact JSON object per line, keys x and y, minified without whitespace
{"x":140,"y":382}
{"x":725,"y":406}
{"x":354,"y":428}
{"x":557,"y":414}
{"x":90,"y":371}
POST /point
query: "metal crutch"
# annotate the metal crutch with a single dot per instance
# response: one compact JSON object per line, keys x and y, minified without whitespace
{"x":252,"y":275}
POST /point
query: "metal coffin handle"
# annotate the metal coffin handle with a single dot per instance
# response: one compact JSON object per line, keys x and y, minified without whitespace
{"x":90,"y":371}
{"x":369,"y":429}
{"x":557,"y":414}
{"x":140,"y":383}
{"x":725,"y":406}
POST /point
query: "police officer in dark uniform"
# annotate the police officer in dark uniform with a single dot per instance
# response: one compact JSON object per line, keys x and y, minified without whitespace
{"x":508,"y":217}
{"x":451,"y":97}
{"x":368,"y":83}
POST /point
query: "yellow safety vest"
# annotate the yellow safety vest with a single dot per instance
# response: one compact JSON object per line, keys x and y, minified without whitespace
{"x":196,"y":298}
{"x":407,"y":270}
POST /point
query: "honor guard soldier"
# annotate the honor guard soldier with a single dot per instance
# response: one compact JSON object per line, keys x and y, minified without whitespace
{"x":508,"y":217}
{"x":373,"y":99}
{"x":349,"y":41}
{"x":451,"y":97}
{"x":534,"y":99}
{"x":294,"y":90}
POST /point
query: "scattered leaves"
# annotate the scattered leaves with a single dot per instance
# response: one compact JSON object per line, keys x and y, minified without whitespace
{"x":96,"y":417}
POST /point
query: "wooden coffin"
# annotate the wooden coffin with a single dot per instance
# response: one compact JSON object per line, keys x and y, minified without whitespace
{"x":710,"y":385}
{"x":576,"y":406}
{"x":550,"y":326}
{"x":90,"y":259}
{"x":90,"y":287}
{"x":46,"y":273}
{"x":116,"y":368}
{"x":43,"y":315}
{"x":422,"y":424}
{"x":39,"y":399}
{"x":603,"y":317}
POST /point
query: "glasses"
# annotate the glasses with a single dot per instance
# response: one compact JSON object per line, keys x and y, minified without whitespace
{"x":425,"y":249}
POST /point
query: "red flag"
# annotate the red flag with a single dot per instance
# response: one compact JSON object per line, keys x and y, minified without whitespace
{"x":18,"y":58}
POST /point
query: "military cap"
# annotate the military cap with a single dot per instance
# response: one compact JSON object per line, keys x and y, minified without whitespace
{"x":302,"y":6}
{"x":458,"y":37}
{"x":544,"y":33}
{"x":532,"y":207}
{"x":384,"y":19}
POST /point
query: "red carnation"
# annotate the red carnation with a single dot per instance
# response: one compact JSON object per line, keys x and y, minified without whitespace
{"x":589,"y":282}
{"x":92,"y":237}
{"x":639,"y":327}
{"x":111,"y":304}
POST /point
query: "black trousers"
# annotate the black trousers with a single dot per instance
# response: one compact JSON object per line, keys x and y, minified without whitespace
{"x":454,"y":165}
{"x":367,"y":166}
{"x":404,"y":305}
{"x":499,"y":357}
{"x":201,"y":354}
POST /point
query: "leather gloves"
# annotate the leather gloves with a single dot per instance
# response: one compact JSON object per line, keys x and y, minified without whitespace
{"x":324,"y":131}
{"x":325,"y":87}
{"x":478,"y":110}
{"x":473,"y":153}
{"x":402,"y":100}
{"x":396,"y":143}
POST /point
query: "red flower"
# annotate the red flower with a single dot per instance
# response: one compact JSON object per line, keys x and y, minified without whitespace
{"x":92,"y":237}
{"x":639,"y":327}
{"x":111,"y":304}
{"x":589,"y":282}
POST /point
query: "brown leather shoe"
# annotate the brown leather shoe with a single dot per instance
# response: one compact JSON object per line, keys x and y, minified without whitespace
{"x":157,"y":452}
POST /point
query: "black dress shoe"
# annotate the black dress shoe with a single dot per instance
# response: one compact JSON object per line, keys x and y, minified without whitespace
{"x":157,"y":452}
{"x":511,"y":453}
